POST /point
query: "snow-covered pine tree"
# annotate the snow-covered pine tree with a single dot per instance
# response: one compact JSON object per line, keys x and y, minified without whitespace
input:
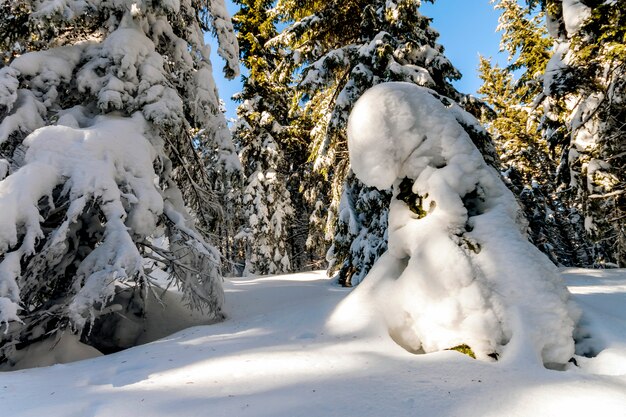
{"x":106,"y":109}
{"x":343,"y":48}
{"x":223,"y":171}
{"x":361,"y":230}
{"x":584,"y":110}
{"x":260,"y":133}
{"x":459,"y":272}
{"x":266,"y":204}
{"x":555,"y":224}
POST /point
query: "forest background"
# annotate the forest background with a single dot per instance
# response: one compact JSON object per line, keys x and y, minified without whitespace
{"x":455,"y":20}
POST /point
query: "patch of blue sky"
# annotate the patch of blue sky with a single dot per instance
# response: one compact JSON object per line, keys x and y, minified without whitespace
{"x":467,"y":29}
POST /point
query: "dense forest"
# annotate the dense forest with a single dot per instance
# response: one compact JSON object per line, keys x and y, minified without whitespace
{"x":553,"y":117}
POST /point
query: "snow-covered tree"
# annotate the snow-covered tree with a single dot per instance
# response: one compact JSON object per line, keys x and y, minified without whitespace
{"x":555,"y":223}
{"x":459,"y":272}
{"x":344,"y":48}
{"x":260,"y":133}
{"x":583,"y":100}
{"x":359,"y":234}
{"x":265,"y":200}
{"x":266,"y":203}
{"x":108,"y":110}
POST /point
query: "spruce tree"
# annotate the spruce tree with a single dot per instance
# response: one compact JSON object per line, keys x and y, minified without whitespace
{"x":260,"y":131}
{"x":343,"y":48}
{"x":266,"y":205}
{"x":108,"y":118}
{"x":459,"y":273}
{"x":555,"y":225}
{"x":583,"y":104}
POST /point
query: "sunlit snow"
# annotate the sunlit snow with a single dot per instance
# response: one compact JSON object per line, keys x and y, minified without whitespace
{"x":276,"y":355}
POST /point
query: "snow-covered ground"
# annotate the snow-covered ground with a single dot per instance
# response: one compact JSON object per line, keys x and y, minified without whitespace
{"x":279,"y":355}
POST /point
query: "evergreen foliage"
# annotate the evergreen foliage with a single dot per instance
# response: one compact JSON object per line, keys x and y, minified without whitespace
{"x":109,"y":117}
{"x":342,"y":48}
{"x":360,"y":234}
{"x":260,"y":133}
{"x":265,"y":200}
{"x":555,"y":225}
{"x":583,"y":105}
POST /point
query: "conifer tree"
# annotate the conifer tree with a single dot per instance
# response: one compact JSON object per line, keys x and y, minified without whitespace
{"x":266,"y":202}
{"x":343,"y":48}
{"x":459,"y":272}
{"x":108,"y":118}
{"x":583,"y":102}
{"x":555,"y":224}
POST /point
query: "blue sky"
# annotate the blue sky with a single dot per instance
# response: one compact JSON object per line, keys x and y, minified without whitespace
{"x":466,"y":28}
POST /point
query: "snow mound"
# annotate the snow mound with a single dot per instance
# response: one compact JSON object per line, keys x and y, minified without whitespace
{"x":459,"y":269}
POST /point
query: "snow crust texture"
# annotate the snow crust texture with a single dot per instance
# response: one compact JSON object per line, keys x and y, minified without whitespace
{"x":459,"y":269}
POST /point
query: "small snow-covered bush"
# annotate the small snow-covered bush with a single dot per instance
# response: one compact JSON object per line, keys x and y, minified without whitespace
{"x":109,"y":122}
{"x":459,"y":269}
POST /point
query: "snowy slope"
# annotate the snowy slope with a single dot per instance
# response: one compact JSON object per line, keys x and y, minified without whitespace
{"x":276,"y":356}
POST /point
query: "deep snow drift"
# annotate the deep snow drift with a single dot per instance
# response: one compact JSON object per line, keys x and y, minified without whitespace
{"x":276,"y":355}
{"x":459,"y":269}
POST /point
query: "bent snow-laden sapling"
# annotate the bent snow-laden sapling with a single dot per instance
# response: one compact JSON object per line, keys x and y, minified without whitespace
{"x":459,"y":270}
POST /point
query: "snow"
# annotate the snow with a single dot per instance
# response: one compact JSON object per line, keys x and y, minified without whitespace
{"x":462,"y":272}
{"x":25,"y":118}
{"x":227,"y":40}
{"x":557,"y":63}
{"x":8,"y":87}
{"x":108,"y":163}
{"x":4,"y":168}
{"x":574,"y":15}
{"x":277,"y":354}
